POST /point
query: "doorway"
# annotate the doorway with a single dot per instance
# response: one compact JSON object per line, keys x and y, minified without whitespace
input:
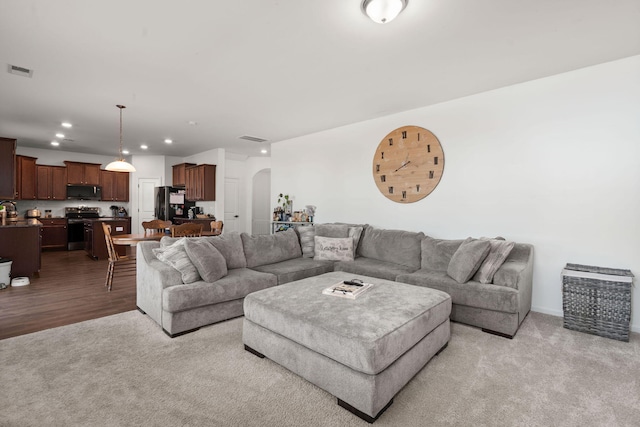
{"x":260,"y":203}
{"x":146,"y":202}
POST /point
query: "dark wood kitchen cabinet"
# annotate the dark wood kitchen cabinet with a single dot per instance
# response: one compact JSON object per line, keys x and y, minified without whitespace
{"x":23,"y":250}
{"x":26,"y":178}
{"x":52,"y":182}
{"x":95,"y":244}
{"x":115,"y":186}
{"x":54,"y":233}
{"x":200,"y":183}
{"x":83,"y":173}
{"x":7,"y":168}
{"x":179,"y":176}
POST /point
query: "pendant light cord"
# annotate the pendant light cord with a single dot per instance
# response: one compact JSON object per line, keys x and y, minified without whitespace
{"x":121,"y":107}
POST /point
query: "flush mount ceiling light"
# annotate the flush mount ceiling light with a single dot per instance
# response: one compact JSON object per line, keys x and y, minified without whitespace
{"x":120,"y":165}
{"x":66,"y":124}
{"x":383,"y":11}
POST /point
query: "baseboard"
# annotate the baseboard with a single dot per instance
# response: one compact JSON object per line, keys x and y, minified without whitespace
{"x":559,"y":313}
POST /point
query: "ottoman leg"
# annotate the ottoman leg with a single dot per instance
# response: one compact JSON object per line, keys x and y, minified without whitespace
{"x":252,"y":351}
{"x":360,"y":414}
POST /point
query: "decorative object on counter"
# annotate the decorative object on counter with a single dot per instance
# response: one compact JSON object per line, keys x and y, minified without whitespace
{"x":47,"y":213}
{"x":284,"y":209}
{"x":114,"y":210}
{"x":311,"y":212}
{"x":120,"y":164}
{"x":32,"y":213}
{"x":122,"y":212}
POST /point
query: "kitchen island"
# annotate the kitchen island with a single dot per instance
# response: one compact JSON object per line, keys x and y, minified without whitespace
{"x":20,"y":242}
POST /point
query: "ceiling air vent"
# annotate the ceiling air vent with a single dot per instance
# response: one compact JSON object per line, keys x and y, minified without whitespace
{"x":20,"y":71}
{"x":252,"y":138}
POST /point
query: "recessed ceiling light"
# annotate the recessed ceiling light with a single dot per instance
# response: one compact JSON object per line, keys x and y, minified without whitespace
{"x":144,"y":147}
{"x":55,"y":143}
{"x":263,"y":151}
{"x":66,"y":124}
{"x":168,"y":141}
{"x":125,"y":151}
{"x":59,"y":135}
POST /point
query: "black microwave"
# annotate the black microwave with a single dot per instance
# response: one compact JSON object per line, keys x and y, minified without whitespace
{"x":84,"y":192}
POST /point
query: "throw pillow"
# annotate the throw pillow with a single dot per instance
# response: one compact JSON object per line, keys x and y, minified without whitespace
{"x":209,"y":262}
{"x":332,"y":230}
{"x":176,"y":256}
{"x":333,"y":249}
{"x":355,"y":233}
{"x":307,"y":242}
{"x":467,"y":259}
{"x":498,"y":253}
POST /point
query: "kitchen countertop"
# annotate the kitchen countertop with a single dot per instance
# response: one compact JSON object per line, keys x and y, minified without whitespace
{"x":23,"y":223}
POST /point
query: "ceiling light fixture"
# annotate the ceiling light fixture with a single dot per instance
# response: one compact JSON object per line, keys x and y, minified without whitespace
{"x":263,"y":151}
{"x":144,"y":147}
{"x":383,"y":11}
{"x":125,"y":151}
{"x":59,"y":135}
{"x":55,"y":143}
{"x":120,"y":165}
{"x":66,"y":124}
{"x":168,"y":141}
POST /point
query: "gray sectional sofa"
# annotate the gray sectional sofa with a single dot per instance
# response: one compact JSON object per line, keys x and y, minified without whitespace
{"x":258,"y":262}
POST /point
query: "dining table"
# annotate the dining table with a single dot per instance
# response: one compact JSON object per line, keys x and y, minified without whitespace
{"x":135,"y":238}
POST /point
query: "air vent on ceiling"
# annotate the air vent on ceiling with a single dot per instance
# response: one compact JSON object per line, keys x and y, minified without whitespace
{"x":20,"y":71}
{"x":252,"y":138}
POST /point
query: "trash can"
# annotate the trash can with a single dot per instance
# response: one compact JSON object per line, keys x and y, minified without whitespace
{"x":5,"y":272}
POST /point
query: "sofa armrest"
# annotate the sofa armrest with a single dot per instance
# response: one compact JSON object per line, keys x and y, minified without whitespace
{"x":152,"y":277}
{"x":517,"y":273}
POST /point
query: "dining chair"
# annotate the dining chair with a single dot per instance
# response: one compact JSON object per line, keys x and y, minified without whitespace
{"x":114,"y":256}
{"x":186,"y":230}
{"x":155,"y":226}
{"x":216,"y":227}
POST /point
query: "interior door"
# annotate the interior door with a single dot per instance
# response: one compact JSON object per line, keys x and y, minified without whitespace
{"x":231,"y":205}
{"x":146,"y":202}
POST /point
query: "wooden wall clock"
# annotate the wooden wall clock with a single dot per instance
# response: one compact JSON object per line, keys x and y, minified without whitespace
{"x":408,"y":164}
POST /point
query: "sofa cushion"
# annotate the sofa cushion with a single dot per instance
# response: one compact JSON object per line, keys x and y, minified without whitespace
{"x":296,"y":269}
{"x":208,"y":260}
{"x":229,"y":244}
{"x":373,"y":267}
{"x":307,"y":243}
{"x":472,"y":294}
{"x":332,"y":230}
{"x":237,"y":284}
{"x":467,"y":259}
{"x":176,"y":256}
{"x":355,"y":232}
{"x":436,"y":253}
{"x":498,"y":252}
{"x":333,"y":249}
{"x":394,"y":246}
{"x":269,"y":249}
{"x":510,"y":271}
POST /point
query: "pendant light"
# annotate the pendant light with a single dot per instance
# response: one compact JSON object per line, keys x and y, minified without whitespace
{"x":383,"y":11}
{"x":120,"y":165}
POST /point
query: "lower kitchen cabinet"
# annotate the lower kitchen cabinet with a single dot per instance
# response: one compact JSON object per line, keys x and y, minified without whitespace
{"x":21,"y":244}
{"x":94,"y":242}
{"x":54,"y":233}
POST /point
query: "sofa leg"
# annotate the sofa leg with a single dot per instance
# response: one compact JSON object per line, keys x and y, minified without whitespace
{"x":141,"y":310}
{"x":255,"y":352}
{"x":500,"y":334}
{"x":179,"y":333}
{"x":360,"y":414}
{"x":442,"y":349}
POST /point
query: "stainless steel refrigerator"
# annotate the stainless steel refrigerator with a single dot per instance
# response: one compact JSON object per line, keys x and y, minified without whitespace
{"x":171,"y":203}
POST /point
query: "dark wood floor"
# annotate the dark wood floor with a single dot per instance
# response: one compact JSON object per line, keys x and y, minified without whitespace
{"x":70,"y":289}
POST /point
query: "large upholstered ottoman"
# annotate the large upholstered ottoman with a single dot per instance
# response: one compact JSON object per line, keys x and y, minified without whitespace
{"x":363,"y":351}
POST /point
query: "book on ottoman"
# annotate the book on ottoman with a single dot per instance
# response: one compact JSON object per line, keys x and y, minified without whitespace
{"x":347,"y":289}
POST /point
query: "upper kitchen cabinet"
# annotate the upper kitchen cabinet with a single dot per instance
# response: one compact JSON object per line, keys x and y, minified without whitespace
{"x":200,"y":183}
{"x":7,"y":168}
{"x":179,"y":176}
{"x":115,"y":186}
{"x":83,"y":173}
{"x":52,"y":182}
{"x":26,"y":178}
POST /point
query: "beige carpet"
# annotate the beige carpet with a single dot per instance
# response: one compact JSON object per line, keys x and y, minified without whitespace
{"x":123,"y":371}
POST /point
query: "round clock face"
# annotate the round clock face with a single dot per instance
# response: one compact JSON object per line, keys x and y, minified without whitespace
{"x":408,"y":164}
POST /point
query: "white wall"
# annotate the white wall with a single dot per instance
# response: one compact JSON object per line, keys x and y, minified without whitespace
{"x":554,"y":162}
